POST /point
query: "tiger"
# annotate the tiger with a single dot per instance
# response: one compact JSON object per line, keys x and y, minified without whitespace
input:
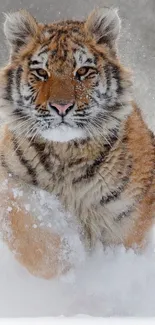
{"x":71,"y":127}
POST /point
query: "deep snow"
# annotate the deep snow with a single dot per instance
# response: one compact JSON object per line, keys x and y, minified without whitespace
{"x":109,"y":283}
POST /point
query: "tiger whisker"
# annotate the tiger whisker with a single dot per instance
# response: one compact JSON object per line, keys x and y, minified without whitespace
{"x":28,"y":133}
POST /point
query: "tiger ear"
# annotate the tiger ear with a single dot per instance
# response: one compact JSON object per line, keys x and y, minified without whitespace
{"x":104,"y":24}
{"x":19,"y":28}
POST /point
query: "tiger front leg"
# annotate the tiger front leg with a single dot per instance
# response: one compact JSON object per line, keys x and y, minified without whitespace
{"x":38,"y":249}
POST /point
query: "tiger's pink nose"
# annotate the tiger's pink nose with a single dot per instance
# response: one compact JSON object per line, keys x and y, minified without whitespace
{"x":62,"y":109}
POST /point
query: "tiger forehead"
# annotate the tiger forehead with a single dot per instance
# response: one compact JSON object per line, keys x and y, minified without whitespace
{"x":63,"y":53}
{"x":71,"y":28}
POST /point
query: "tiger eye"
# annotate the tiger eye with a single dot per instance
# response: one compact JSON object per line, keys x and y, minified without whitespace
{"x":42,"y":73}
{"x":82,"y":71}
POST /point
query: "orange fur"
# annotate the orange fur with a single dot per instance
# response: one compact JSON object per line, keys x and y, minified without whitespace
{"x":105,"y":179}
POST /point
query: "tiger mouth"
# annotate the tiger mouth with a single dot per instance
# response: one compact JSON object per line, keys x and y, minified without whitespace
{"x":64,"y":123}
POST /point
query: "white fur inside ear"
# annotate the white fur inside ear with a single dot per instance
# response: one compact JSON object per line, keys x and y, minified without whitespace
{"x":19,"y":26}
{"x":104,"y":24}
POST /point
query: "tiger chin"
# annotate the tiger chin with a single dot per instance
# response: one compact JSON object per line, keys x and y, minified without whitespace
{"x":71,"y":127}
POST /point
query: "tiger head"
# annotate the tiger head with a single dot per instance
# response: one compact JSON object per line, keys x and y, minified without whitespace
{"x":64,"y":80}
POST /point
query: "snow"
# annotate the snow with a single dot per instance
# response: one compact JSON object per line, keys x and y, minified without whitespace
{"x":108,"y":283}
{"x":113,"y":282}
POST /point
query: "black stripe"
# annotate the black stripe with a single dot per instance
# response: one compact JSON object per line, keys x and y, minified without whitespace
{"x":34,"y":62}
{"x":111,"y":197}
{"x":43,"y":51}
{"x":18,"y":43}
{"x":116,"y":74}
{"x":94,"y":100}
{"x":81,"y":142}
{"x":31,"y":171}
{"x":92,"y":169}
{"x":18,"y":81}
{"x":27,"y":98}
{"x":44,"y":157}
{"x":124,"y":214}
{"x":50,"y":30}
{"x":116,"y":107}
{"x":8,"y":89}
{"x":76,"y":162}
{"x":4,"y":163}
{"x":98,"y":93}
{"x":34,"y":77}
{"x":53,"y":53}
{"x":111,"y":139}
{"x":18,"y":78}
{"x":69,"y":22}
{"x":19,"y":112}
{"x":107,"y":70}
{"x":30,"y":87}
{"x":114,"y":195}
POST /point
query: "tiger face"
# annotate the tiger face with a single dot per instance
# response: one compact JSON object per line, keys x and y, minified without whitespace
{"x":64,"y":80}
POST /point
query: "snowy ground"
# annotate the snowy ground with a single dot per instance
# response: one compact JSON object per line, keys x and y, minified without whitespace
{"x":112,"y":283}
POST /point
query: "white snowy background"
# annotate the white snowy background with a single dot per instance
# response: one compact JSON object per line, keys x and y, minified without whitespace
{"x":111,"y":283}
